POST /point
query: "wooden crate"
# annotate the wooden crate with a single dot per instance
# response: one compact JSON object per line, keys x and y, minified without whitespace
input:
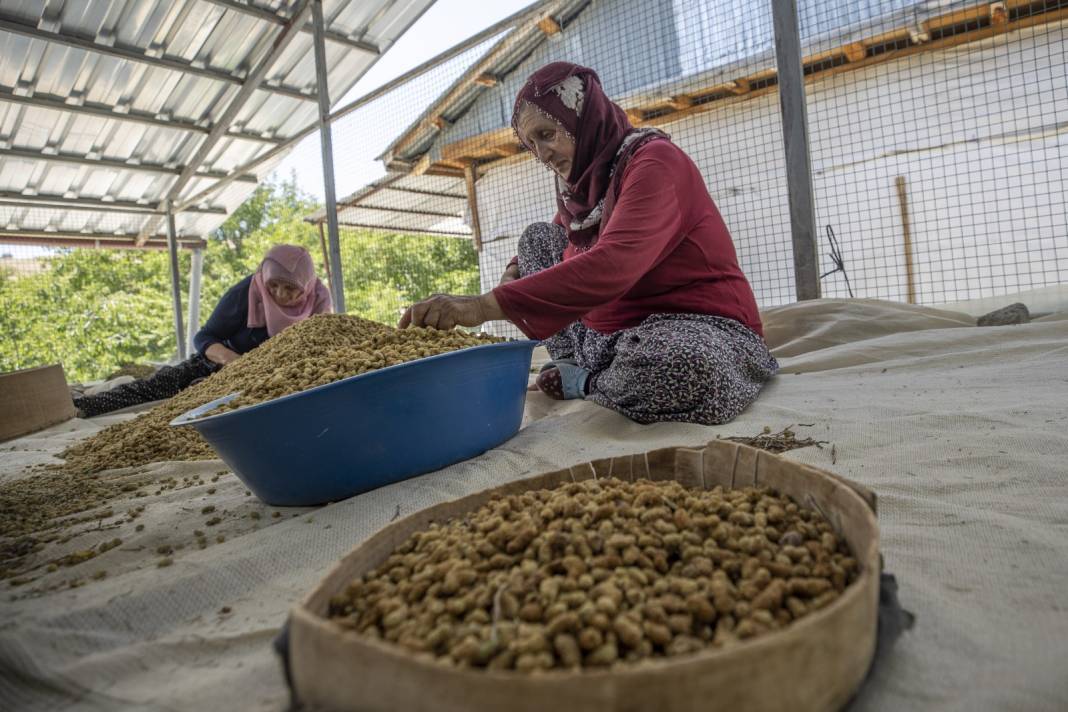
{"x":816,"y":663}
{"x":33,"y":399}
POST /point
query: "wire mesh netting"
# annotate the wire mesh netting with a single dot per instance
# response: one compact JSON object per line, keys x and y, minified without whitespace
{"x":937,"y":139}
{"x":939,"y":147}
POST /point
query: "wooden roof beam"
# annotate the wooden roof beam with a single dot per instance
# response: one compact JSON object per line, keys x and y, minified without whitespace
{"x":509,"y":149}
{"x":999,"y":14}
{"x":549,"y":26}
{"x":855,"y":52}
{"x":739,"y":86}
{"x":680,"y":101}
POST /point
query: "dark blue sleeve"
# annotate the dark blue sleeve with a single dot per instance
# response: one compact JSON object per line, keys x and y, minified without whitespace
{"x":230,"y":317}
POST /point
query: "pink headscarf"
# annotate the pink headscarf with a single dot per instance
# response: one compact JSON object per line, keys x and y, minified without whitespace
{"x":571,"y":95}
{"x":292,"y":264}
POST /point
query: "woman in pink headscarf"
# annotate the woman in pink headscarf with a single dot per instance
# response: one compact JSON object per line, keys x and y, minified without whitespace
{"x":634,"y":286}
{"x":282,"y":291}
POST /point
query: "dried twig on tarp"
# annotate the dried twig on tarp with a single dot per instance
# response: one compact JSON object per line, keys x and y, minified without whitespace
{"x":785,"y":439}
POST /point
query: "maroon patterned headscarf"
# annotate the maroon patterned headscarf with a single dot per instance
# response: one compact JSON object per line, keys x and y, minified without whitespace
{"x":571,"y":95}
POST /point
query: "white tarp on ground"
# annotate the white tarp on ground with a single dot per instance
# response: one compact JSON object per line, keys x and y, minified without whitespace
{"x":962,"y":432}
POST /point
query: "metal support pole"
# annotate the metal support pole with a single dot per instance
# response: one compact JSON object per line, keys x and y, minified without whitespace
{"x":176,"y":291}
{"x":326,"y":255}
{"x":196,"y":269}
{"x":471,"y":176}
{"x":795,"y":139}
{"x":337,"y":282}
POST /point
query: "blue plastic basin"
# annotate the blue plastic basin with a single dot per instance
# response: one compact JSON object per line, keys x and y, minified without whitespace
{"x":366,"y":431}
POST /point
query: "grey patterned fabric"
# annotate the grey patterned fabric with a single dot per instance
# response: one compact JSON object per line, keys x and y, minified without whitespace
{"x":691,"y":368}
{"x":164,"y":383}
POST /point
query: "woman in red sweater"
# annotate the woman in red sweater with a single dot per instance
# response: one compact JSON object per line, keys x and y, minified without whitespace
{"x":634,"y":287}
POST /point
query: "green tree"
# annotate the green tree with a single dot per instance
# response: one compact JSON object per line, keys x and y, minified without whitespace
{"x":93,"y":310}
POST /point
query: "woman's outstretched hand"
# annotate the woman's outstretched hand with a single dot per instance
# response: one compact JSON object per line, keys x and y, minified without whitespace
{"x":445,"y":311}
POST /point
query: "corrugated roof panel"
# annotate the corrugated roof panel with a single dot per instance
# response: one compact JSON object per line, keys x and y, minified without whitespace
{"x":188,"y":38}
{"x":82,"y":93}
{"x":402,"y":222}
{"x":406,"y":203}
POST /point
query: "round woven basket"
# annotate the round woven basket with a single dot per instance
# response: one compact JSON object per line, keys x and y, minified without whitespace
{"x":816,"y":663}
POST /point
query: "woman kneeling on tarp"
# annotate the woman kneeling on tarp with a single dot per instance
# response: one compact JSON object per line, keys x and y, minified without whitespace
{"x":634,"y":286}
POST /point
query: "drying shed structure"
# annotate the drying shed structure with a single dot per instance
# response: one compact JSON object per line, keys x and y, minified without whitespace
{"x":921,"y":116}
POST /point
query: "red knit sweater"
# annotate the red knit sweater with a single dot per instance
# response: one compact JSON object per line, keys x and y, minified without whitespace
{"x":664,"y":249}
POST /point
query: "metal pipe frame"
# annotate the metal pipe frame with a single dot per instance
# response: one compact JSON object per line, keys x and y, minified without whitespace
{"x":12,"y":25}
{"x":176,"y":291}
{"x":196,"y":270}
{"x":406,"y":211}
{"x":795,"y":140}
{"x":142,"y":117}
{"x":66,"y":238}
{"x":337,"y":281}
{"x":111,"y":163}
{"x":268,"y":16}
{"x":58,"y":202}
